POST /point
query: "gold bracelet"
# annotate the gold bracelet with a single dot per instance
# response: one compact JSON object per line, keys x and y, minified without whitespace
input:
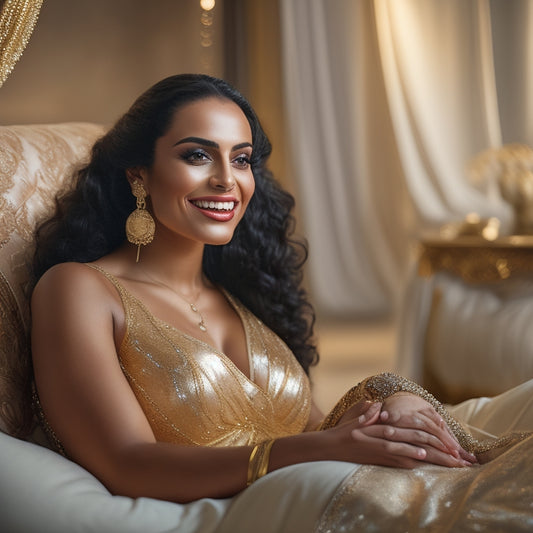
{"x":258,"y":462}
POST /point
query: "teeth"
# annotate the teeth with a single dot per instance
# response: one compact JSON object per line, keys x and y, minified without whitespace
{"x":219,"y":206}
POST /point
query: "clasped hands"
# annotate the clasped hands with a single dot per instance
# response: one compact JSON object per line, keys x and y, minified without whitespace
{"x":403,"y":431}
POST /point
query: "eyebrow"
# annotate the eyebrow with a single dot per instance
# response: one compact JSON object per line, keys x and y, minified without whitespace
{"x":212,"y":144}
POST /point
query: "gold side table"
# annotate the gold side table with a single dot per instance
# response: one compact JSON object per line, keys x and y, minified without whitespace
{"x":477,"y":260}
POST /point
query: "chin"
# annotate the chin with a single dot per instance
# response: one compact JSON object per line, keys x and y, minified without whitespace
{"x":219,"y":240}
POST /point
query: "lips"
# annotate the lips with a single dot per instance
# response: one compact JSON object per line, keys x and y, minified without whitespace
{"x":216,"y":208}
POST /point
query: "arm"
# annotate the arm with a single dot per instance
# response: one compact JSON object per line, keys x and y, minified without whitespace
{"x":77,"y":324}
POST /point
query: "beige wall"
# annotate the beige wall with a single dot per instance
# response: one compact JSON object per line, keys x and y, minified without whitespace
{"x":265,"y":90}
{"x":88,"y":59}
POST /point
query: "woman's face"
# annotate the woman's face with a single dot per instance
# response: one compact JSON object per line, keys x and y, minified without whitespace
{"x":201,"y":181}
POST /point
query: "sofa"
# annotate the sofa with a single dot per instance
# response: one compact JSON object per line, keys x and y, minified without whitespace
{"x":40,"y":490}
{"x":44,"y":492}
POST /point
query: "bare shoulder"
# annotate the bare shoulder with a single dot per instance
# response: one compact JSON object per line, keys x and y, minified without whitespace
{"x":70,"y":290}
{"x":70,"y":279}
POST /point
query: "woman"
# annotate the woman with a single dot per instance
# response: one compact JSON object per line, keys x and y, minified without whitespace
{"x":171,"y":336}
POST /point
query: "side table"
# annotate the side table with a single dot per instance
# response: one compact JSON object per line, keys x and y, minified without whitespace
{"x":467,"y":322}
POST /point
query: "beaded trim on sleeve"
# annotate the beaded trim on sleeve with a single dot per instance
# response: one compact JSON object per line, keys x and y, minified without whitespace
{"x":378,"y":388}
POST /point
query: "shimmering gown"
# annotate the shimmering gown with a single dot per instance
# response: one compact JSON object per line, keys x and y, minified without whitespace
{"x":192,"y":394}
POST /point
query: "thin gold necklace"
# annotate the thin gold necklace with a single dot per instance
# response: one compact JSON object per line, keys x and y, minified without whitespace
{"x":202,"y":325}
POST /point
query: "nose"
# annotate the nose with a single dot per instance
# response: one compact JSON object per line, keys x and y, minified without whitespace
{"x":223,"y":179}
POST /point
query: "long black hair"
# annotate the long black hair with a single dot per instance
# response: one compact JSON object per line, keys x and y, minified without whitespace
{"x":261,"y":265}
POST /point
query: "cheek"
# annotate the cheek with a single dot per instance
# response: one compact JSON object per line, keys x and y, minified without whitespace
{"x":248,"y":189}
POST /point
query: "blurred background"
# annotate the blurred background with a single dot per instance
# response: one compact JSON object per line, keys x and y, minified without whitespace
{"x":374,"y":109}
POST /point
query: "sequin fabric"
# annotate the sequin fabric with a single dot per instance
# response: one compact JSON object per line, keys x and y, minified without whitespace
{"x":193,"y":394}
{"x":495,"y":497}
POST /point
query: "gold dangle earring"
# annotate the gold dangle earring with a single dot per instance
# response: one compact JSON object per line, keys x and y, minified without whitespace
{"x":140,"y":226}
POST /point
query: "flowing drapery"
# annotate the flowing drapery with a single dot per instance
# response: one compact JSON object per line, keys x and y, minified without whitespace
{"x":387,"y":100}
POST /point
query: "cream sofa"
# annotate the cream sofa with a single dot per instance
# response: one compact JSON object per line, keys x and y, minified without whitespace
{"x":40,"y":490}
{"x":43,"y":492}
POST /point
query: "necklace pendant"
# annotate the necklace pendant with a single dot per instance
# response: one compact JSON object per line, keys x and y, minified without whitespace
{"x":202,"y":327}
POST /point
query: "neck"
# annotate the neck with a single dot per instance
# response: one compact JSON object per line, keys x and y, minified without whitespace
{"x":177,"y":265}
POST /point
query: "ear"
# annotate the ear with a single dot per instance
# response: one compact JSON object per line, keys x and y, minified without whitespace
{"x":137,"y":174}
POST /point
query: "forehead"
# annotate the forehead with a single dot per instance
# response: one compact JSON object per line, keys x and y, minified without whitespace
{"x":211,"y":118}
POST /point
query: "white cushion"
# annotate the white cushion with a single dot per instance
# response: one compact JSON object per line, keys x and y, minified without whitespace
{"x":480,"y":337}
{"x":41,"y":491}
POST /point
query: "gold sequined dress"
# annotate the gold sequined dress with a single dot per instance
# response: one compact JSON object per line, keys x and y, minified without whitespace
{"x":193,"y":394}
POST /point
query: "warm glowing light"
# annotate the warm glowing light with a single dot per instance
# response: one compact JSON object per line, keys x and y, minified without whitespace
{"x":207,"y":5}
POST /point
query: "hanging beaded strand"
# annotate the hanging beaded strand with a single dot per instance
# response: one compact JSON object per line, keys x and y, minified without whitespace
{"x":17,"y":20}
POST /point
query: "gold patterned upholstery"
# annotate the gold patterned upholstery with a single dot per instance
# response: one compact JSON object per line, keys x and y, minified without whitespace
{"x":36,"y":161}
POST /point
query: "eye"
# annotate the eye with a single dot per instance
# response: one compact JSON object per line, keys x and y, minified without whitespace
{"x":196,"y":156}
{"x":242,"y":161}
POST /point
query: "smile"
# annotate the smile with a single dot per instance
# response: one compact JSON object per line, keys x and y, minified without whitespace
{"x":217,"y":206}
{"x":218,"y":209}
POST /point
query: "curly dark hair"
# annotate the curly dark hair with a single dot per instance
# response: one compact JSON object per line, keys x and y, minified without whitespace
{"x":262,"y":265}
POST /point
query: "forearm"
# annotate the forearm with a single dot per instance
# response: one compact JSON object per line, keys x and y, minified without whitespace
{"x":183,"y":474}
{"x":177,"y":473}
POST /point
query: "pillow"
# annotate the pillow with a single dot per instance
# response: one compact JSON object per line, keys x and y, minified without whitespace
{"x":479,"y":337}
{"x":41,"y":491}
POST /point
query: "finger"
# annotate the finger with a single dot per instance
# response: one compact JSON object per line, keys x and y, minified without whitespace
{"x":437,"y":457}
{"x":420,"y":422}
{"x":391,"y":453}
{"x":437,"y":426}
{"x":448,"y":438}
{"x":426,"y":420}
{"x":429,"y":443}
{"x":370,"y":415}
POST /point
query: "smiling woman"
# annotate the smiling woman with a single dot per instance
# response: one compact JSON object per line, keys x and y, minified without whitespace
{"x":206,"y":171}
{"x":181,"y":373}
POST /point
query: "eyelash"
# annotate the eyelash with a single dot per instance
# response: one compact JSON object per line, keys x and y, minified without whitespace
{"x":196,"y":155}
{"x":190,"y":155}
{"x":245,"y":160}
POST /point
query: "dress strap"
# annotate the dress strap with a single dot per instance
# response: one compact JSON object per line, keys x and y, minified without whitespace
{"x":112,"y":279}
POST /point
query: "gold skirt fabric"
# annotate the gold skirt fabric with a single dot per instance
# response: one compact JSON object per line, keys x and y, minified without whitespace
{"x":494,"y":497}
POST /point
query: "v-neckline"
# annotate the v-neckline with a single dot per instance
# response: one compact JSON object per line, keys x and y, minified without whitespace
{"x":164,"y":324}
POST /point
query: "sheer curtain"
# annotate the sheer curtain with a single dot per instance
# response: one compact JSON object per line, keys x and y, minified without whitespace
{"x":387,"y":100}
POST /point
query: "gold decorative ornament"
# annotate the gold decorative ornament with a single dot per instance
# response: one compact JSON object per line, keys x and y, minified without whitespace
{"x":477,"y":260}
{"x":140,"y":226}
{"x":509,"y":170}
{"x":17,"y":20}
{"x":258,"y":462}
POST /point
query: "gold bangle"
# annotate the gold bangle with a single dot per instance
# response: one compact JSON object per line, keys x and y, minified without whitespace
{"x":258,"y":462}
